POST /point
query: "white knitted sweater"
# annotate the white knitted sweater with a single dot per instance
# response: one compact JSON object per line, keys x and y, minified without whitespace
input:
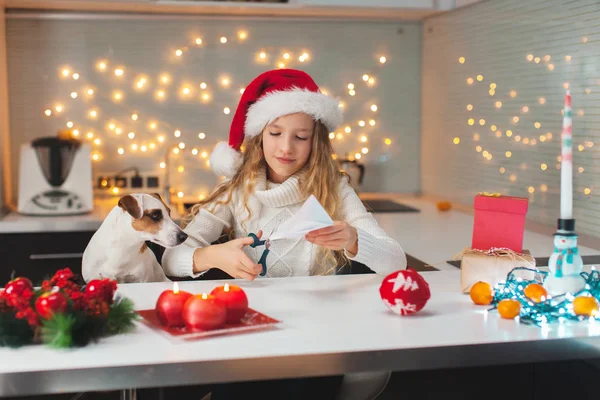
{"x":272,"y":204}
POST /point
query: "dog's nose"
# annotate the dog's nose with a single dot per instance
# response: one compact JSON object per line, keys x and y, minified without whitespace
{"x":181,"y":236}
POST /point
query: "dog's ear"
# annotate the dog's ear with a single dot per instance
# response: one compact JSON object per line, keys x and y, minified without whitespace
{"x":162,"y":201}
{"x":157,"y":196}
{"x":130,"y":204}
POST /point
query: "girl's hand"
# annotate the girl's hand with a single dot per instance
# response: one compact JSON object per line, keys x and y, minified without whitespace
{"x":336,"y":237}
{"x":230,"y":258}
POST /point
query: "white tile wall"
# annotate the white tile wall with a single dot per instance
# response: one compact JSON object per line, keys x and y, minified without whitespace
{"x":341,"y":52}
{"x":495,"y":38}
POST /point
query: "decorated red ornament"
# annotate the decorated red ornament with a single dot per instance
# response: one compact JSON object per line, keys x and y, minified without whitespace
{"x":204,"y":312}
{"x":17,"y":286}
{"x":404,"y":292}
{"x":50,"y":303}
{"x":169,"y":306}
{"x":235,"y":300}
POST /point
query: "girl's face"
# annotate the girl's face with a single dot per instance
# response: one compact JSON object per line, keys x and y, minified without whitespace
{"x":287,"y":143}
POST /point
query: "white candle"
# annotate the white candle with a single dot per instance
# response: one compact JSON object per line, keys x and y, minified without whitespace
{"x":566,"y":167}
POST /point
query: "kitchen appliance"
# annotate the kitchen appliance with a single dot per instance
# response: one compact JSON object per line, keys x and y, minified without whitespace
{"x":55,"y":177}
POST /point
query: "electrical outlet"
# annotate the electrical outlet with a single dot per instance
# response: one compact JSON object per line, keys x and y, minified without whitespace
{"x":104,"y":182}
{"x":152,"y":181}
{"x":121,"y":182}
{"x":137,"y":181}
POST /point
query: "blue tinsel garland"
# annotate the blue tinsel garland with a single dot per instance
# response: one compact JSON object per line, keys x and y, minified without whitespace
{"x":557,"y":308}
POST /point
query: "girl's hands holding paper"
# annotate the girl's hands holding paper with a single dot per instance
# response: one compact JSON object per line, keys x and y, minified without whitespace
{"x":338,"y":236}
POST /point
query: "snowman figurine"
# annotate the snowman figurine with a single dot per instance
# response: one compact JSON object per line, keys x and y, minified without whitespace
{"x":565,"y":266}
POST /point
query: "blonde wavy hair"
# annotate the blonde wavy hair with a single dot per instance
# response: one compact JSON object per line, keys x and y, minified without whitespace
{"x":320,"y":176}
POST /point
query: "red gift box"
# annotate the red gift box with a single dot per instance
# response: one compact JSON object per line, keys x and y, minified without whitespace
{"x":499,"y":222}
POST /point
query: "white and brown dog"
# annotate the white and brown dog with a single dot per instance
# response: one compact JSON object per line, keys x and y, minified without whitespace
{"x":118,"y":248}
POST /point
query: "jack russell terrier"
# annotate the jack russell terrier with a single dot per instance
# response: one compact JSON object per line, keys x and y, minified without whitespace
{"x":118,"y":248}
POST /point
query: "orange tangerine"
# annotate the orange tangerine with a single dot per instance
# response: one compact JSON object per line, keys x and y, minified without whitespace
{"x":535,"y":292}
{"x":482,"y":293}
{"x":509,"y":308}
{"x":584,"y":305}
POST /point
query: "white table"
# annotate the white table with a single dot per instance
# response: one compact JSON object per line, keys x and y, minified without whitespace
{"x":331,"y":325}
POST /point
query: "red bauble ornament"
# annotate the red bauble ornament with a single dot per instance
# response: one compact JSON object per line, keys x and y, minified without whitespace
{"x":405,"y":291}
{"x":235,"y":300}
{"x":50,"y":303}
{"x":169,"y":306}
{"x":17,"y":286}
{"x":204,"y":312}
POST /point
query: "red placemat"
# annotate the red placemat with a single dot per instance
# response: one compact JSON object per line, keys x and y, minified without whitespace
{"x":252,"y":321}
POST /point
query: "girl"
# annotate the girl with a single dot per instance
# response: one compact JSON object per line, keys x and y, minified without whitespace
{"x":284,"y":122}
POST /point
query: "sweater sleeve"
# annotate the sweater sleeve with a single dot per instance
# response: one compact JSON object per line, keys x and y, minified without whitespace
{"x":376,"y":249}
{"x":204,"y":229}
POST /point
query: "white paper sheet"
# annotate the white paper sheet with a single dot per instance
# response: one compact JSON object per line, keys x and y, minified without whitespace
{"x":309,"y":217}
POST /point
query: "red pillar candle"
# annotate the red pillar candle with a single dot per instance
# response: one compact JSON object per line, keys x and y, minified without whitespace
{"x":169,"y":306}
{"x":235,"y":301}
{"x":204,"y":312}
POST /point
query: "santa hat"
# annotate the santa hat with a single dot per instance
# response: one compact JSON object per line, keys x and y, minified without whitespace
{"x":269,"y":96}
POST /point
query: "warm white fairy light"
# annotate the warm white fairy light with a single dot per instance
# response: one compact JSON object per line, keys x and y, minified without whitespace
{"x":470,"y":81}
{"x":144,"y":148}
{"x":372,"y":122}
{"x":65,"y":72}
{"x":498,"y":104}
{"x":93,"y":113}
{"x":388,"y":141}
{"x":223,"y":39}
{"x":195,"y":151}
{"x":352,"y":92}
{"x":178,"y":52}
{"x":480,"y":78}
{"x":134,"y":147}
{"x":160,"y":94}
{"x":118,"y":131}
{"x":226,"y":110}
{"x":361,"y":123}
{"x":95,"y":156}
{"x":119,"y":72}
{"x":162,"y":164}
{"x":373,"y":107}
{"x":350,"y":86}
{"x":205,"y":97}
{"x":382,"y":59}
{"x":102,"y":65}
{"x":90,"y":92}
{"x":201,"y":135}
{"x":242,"y":35}
{"x":117,"y":95}
{"x":176,"y":150}
{"x":73,"y":95}
{"x":134,"y":117}
{"x":177,"y":133}
{"x":331,"y":135}
{"x":161,"y":139}
{"x":97,"y":141}
{"x":543,"y":166}
{"x":121,"y":150}
{"x":48,"y":112}
{"x":181,"y":145}
{"x":286,"y":56}
{"x":339,"y":136}
{"x":186,"y":90}
{"x":69,"y":124}
{"x":262,"y":55}
{"x":225,"y":81}
{"x":204,"y":154}
{"x":131,"y":135}
{"x":58,"y":108}
{"x":456,"y":140}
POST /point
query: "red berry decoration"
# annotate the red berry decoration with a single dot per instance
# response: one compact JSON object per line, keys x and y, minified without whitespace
{"x":102,"y":289}
{"x":17,"y":286}
{"x":405,"y":292}
{"x":50,"y":303}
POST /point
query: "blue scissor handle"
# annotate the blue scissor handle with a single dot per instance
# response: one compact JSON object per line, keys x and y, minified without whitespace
{"x":263,"y":258}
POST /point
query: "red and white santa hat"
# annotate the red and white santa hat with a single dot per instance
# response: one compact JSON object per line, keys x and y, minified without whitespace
{"x":269,"y":96}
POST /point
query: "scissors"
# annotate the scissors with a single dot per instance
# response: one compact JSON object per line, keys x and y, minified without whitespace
{"x":263,"y":258}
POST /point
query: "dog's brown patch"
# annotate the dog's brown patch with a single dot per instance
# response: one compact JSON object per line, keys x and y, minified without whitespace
{"x":130,"y":204}
{"x":143,"y":248}
{"x":162,"y":201}
{"x":146,"y":223}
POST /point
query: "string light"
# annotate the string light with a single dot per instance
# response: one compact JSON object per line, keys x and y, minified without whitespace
{"x":226,"y":110}
{"x":121,"y":150}
{"x":470,"y":81}
{"x":198,"y":41}
{"x":388,"y":141}
{"x":461,"y":60}
{"x":177,"y":133}
{"x":372,"y":122}
{"x":498,"y":104}
{"x":373,"y":107}
{"x":361,"y":123}
{"x":331,"y":135}
{"x":382,"y":59}
{"x":479,"y":78}
{"x":347,"y":129}
{"x":119,"y":72}
{"x":223,"y":39}
{"x":48,"y":112}
{"x":456,"y":140}
{"x":509,"y":133}
{"x":201,"y":135}
{"x":553,"y":309}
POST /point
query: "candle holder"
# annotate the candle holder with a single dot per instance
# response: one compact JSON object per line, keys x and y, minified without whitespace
{"x":565,"y":263}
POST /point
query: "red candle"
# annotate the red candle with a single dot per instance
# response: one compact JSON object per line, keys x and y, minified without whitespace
{"x":204,"y":312}
{"x":235,"y":301}
{"x":169,"y":306}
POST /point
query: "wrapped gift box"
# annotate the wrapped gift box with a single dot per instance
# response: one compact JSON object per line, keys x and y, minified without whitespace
{"x":492,"y":266}
{"x":499,"y":222}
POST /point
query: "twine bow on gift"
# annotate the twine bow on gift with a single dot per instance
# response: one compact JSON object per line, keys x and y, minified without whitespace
{"x":569,"y":252}
{"x":496,"y":252}
{"x":489,"y":194}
